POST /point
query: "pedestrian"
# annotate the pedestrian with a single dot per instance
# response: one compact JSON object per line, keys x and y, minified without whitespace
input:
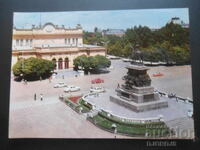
{"x":35,"y":97}
{"x":41,"y":97}
{"x":49,"y":79}
{"x":26,"y":82}
{"x":40,"y":78}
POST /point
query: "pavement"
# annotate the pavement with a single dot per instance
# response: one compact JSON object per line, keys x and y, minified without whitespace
{"x":175,"y":109}
{"x":51,"y":118}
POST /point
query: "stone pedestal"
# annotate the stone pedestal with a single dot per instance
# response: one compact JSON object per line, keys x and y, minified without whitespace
{"x":137,"y":93}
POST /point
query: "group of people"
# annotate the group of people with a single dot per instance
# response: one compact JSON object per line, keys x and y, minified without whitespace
{"x":41,"y":97}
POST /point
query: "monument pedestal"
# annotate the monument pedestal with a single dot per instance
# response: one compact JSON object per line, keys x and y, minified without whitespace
{"x":137,"y":93}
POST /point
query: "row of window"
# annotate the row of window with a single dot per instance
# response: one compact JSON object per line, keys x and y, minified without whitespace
{"x":24,"y":42}
{"x":69,"y":41}
{"x":28,"y":42}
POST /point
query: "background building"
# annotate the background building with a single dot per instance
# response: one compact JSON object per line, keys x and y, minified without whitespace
{"x":177,"y":20}
{"x":117,"y":32}
{"x":59,"y":44}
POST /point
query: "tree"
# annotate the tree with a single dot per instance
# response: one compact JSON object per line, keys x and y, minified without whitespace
{"x":164,"y":44}
{"x":175,"y":34}
{"x":115,"y":49}
{"x":139,"y":35}
{"x":91,"y":62}
{"x":102,"y":61}
{"x":81,"y":61}
{"x":33,"y":68}
{"x":181,"y":55}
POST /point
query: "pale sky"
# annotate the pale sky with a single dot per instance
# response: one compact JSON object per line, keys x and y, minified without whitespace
{"x":115,"y":19}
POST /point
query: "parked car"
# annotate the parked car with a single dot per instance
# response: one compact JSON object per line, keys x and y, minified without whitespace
{"x":60,"y":85}
{"x":97,"y":90}
{"x":190,"y":113}
{"x":158,"y":74}
{"x":97,"y":80}
{"x":112,"y":57}
{"x":54,"y":73}
{"x":71,"y":88}
{"x":126,"y":60}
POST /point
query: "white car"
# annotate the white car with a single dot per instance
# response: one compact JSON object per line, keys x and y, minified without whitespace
{"x":60,"y":85}
{"x":71,"y":88}
{"x":97,"y":90}
{"x":126,"y":60}
{"x":190,"y":113}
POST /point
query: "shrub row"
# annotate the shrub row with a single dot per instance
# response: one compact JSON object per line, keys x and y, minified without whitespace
{"x":116,"y":120}
{"x":106,"y":124}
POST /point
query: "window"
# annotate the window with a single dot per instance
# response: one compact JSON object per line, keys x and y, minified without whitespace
{"x":65,"y":41}
{"x":31,"y":41}
{"x":21,"y":42}
{"x":17,"y":42}
{"x":76,"y":41}
{"x":69,"y":41}
{"x":27,"y":42}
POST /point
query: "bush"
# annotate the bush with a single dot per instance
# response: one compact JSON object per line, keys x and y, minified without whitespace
{"x":33,"y":69}
{"x":153,"y":129}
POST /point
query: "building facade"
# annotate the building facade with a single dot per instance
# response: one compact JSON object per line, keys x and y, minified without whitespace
{"x":59,"y":44}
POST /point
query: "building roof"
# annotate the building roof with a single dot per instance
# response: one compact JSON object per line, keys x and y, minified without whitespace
{"x":40,"y":27}
{"x":114,"y":31}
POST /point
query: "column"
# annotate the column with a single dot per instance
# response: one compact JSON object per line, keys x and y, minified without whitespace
{"x":63,"y":64}
{"x":57,"y":63}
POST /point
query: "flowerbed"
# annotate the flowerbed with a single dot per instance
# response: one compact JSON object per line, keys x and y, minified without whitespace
{"x":74,"y":99}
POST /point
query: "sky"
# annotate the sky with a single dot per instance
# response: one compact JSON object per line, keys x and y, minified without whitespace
{"x":113,"y":19}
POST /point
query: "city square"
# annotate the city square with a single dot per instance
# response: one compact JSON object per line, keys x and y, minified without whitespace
{"x":75,"y":78}
{"x":53,"y":118}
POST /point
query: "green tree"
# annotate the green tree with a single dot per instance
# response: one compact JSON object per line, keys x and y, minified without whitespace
{"x":33,"y":68}
{"x":91,"y":62}
{"x":175,"y":34}
{"x":181,"y":55}
{"x":102,"y":61}
{"x":139,"y":35}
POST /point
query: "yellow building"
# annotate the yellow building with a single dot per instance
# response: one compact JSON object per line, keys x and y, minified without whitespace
{"x":59,"y":44}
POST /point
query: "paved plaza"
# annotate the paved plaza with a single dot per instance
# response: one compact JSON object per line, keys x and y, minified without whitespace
{"x":51,"y":118}
{"x":175,"y":109}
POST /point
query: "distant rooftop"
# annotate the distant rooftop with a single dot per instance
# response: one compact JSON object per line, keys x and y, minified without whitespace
{"x":177,"y":20}
{"x":114,"y":31}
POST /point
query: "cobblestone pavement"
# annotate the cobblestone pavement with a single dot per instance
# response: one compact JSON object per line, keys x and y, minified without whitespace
{"x":52,"y":118}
